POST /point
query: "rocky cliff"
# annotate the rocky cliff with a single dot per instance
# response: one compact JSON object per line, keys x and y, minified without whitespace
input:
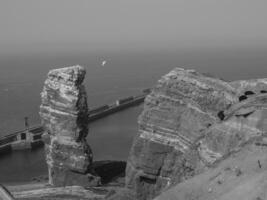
{"x":64,"y":117}
{"x":189,"y":122}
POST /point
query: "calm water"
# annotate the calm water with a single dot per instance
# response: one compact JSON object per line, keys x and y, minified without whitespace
{"x":22,"y":77}
{"x":110,"y":138}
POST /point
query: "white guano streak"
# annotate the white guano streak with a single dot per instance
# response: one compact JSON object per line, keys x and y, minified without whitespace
{"x":174,"y":141}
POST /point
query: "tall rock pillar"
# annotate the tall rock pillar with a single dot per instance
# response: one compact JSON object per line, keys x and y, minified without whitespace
{"x":64,"y":117}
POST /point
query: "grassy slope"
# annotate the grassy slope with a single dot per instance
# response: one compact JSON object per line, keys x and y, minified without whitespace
{"x":239,"y":177}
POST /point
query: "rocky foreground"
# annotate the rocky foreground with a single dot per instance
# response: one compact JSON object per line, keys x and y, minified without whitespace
{"x":112,"y":175}
{"x":241,"y":176}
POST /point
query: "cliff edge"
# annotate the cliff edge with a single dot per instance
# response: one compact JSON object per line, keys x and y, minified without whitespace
{"x":190,"y":122}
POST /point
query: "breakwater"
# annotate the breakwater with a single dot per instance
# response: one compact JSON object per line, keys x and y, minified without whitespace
{"x":103,"y":111}
{"x":31,"y":138}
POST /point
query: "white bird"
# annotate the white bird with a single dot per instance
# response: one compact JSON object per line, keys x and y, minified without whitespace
{"x":103,"y":63}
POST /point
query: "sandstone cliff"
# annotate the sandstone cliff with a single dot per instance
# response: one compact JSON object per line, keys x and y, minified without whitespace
{"x":189,"y":122}
{"x":64,"y":117}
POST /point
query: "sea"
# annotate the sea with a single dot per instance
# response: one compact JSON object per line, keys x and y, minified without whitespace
{"x":125,"y":74}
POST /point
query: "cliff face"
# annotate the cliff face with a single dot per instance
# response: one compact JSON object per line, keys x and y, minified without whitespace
{"x":243,"y":122}
{"x":64,"y":117}
{"x":189,"y":122}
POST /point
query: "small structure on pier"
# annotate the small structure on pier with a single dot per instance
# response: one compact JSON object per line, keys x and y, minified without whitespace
{"x":24,"y":139}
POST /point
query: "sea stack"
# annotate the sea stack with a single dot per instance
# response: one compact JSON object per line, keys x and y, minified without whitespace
{"x":64,"y":114}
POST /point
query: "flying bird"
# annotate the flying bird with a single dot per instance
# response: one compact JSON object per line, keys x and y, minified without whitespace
{"x":103,"y":63}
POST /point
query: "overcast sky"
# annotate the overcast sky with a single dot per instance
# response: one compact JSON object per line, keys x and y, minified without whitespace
{"x":29,"y":25}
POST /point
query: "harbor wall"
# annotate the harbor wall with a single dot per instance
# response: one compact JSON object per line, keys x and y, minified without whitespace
{"x":31,"y":138}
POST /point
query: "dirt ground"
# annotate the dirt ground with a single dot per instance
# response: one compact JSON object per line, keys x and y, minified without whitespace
{"x":242,"y":176}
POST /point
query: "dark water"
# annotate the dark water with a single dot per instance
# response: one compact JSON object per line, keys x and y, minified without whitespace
{"x":109,"y":138}
{"x":22,"y":77}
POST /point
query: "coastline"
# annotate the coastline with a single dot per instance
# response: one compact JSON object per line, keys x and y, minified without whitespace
{"x":112,"y":174}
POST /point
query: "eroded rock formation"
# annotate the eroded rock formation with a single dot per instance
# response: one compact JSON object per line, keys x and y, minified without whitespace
{"x":64,"y":117}
{"x":190,"y":121}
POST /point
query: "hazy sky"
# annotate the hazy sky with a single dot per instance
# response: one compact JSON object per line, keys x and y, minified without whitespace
{"x":30,"y":25}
